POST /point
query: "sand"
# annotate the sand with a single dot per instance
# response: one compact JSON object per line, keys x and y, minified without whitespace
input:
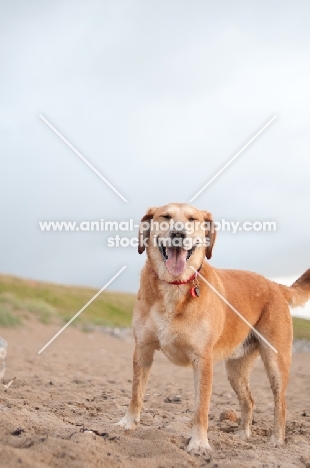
{"x":61,"y":408}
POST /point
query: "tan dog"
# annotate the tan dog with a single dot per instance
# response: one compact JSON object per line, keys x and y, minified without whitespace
{"x":199,"y":330}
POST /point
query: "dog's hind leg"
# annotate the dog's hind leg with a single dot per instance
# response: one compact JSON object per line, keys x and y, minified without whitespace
{"x":277,"y":368}
{"x":278,"y":330}
{"x":238,"y":372}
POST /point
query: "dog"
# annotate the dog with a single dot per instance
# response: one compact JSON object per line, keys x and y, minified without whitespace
{"x":183,"y":308}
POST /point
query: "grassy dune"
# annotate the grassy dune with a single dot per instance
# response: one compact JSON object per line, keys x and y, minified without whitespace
{"x":301,"y":328}
{"x":22,"y":299}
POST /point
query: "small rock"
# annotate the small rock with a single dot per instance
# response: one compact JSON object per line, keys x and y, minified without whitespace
{"x":173,"y":399}
{"x":265,"y":432}
{"x":18,"y":431}
{"x":229,"y":415}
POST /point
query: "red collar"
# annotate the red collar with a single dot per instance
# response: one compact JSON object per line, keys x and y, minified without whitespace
{"x":177,"y":283}
{"x":182,"y":282}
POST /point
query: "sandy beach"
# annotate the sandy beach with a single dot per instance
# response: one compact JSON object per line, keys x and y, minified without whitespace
{"x":61,"y":408}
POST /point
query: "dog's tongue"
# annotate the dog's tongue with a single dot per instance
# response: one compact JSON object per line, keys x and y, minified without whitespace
{"x":176,"y":261}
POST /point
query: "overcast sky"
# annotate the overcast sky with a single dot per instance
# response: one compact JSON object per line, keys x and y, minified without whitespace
{"x":158,"y":96}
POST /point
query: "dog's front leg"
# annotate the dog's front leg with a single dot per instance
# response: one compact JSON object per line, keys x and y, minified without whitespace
{"x":203,"y":373}
{"x":142,"y":362}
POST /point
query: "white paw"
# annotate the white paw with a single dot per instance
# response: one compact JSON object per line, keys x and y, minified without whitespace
{"x":276,"y":442}
{"x":128,"y":422}
{"x":198,"y":445}
{"x":243,"y":433}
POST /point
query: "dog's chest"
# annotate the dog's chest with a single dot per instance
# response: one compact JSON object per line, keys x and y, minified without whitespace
{"x":177,"y":343}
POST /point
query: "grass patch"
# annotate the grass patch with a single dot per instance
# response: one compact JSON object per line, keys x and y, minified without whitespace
{"x":7,"y":318}
{"x":49,"y":303}
{"x":42,"y":311}
{"x":301,"y":328}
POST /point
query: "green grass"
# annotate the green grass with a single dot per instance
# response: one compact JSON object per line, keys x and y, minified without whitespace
{"x":25,"y":308}
{"x":50,"y":303}
{"x":301,"y":328}
{"x":22,"y":299}
{"x":7,"y":318}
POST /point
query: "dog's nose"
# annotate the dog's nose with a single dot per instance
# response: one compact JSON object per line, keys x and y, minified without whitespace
{"x":180,"y":233}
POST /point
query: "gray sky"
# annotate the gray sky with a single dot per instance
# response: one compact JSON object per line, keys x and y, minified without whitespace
{"x":158,"y":96}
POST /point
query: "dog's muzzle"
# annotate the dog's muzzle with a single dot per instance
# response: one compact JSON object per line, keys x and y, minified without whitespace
{"x":176,"y":251}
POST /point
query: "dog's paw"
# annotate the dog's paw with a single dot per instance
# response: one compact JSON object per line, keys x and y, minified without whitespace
{"x":199,"y":446}
{"x":276,"y":441}
{"x":128,"y":422}
{"x":243,"y":434}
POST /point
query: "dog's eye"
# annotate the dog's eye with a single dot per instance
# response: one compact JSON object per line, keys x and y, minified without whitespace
{"x":192,"y":219}
{"x":166,"y":217}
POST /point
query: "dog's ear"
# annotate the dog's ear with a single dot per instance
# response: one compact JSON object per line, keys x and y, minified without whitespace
{"x":210,"y":232}
{"x":144,"y":228}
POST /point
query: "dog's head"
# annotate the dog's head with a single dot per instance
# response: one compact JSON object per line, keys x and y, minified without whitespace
{"x":177,"y":237}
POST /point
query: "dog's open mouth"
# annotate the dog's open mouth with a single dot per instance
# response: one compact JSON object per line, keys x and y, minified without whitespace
{"x":175,"y":258}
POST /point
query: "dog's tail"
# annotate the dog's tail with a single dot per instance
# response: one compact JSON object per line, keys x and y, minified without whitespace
{"x":299,"y":293}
